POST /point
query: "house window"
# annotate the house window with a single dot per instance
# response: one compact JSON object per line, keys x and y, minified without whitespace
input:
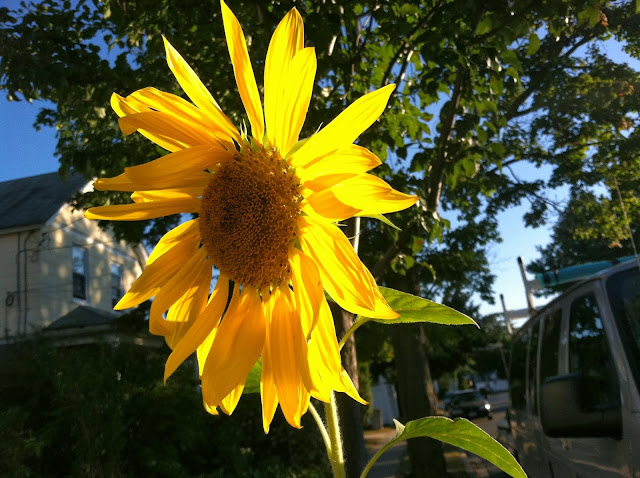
{"x":79,"y":260}
{"x":116,"y":284}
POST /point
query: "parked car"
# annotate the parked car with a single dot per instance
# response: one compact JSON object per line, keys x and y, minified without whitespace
{"x":575,"y":381}
{"x":469,"y":404}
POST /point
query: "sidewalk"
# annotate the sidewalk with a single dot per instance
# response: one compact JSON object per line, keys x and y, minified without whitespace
{"x":394,"y":463}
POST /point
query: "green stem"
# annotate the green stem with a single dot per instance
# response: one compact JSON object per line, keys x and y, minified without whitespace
{"x":350,"y":332}
{"x":323,"y":429}
{"x":375,"y":457}
{"x":336,"y":456}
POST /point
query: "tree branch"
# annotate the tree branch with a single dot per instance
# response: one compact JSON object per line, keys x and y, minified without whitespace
{"x":402,"y":49}
{"x":434,"y":177}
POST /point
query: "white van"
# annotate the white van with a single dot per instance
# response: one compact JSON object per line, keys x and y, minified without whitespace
{"x":575,"y":381}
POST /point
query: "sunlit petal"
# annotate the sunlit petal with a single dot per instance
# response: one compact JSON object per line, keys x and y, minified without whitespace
{"x":345,"y":128}
{"x":242,"y":328}
{"x":244,"y":73}
{"x":142,"y":211}
{"x":204,"y":324}
{"x":343,"y":274}
{"x":199,"y":94}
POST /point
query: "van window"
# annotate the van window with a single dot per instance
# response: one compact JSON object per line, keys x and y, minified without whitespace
{"x":532,"y":366}
{"x":550,"y":345}
{"x":518,"y":372}
{"x":624,"y":296}
{"x":589,"y":355}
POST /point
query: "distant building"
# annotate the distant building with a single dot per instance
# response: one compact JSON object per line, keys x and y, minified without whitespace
{"x":58,"y":270}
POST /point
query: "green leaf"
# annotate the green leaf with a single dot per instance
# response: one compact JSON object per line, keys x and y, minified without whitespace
{"x":534,"y":44}
{"x":252,"y":385}
{"x":382,"y":218}
{"x":459,"y":432}
{"x":417,"y":244}
{"x":485,"y":25}
{"x":414,"y":309}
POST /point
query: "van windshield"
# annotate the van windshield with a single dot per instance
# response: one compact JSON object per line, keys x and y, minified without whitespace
{"x":624,"y":295}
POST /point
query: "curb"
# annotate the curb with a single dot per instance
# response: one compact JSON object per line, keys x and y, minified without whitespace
{"x":458,"y":464}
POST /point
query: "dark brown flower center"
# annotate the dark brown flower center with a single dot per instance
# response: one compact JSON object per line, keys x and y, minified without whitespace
{"x":248,"y":218}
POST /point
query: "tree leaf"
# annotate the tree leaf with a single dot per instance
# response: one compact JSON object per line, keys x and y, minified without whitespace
{"x":534,"y":44}
{"x":459,"y":432}
{"x":414,"y":309}
{"x":485,"y":25}
{"x":384,"y":219}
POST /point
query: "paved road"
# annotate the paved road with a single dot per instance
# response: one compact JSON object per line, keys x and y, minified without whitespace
{"x":499,"y":403}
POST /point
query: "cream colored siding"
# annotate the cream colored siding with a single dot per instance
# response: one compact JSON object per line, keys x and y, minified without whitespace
{"x":49,"y":294}
{"x":8,"y":286}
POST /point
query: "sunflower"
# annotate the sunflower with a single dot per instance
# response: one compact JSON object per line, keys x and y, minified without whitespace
{"x":267,"y":206}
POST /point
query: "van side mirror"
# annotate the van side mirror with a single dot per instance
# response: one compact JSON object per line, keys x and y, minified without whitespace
{"x":562,"y":415}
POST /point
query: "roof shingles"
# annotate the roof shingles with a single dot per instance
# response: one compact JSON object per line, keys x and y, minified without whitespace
{"x":33,"y":200}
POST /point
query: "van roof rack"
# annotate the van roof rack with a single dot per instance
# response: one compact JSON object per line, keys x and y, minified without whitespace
{"x":574,"y":273}
{"x":552,"y":278}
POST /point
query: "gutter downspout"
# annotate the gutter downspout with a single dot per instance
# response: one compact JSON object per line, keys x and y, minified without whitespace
{"x":18,"y":284}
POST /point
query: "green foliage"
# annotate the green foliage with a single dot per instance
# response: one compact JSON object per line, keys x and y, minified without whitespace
{"x":459,"y":432}
{"x":102,"y":410}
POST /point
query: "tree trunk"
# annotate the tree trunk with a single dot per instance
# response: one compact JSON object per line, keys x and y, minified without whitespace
{"x":416,"y":395}
{"x":416,"y":398}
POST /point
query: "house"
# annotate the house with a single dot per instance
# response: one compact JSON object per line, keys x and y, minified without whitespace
{"x":59,"y":271}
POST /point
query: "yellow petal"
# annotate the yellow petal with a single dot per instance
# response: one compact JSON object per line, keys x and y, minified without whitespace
{"x":381,"y":309}
{"x":350,"y":389}
{"x":372,"y":195}
{"x":142,"y":211}
{"x":345,"y":128}
{"x":348,"y":159}
{"x":188,"y":276}
{"x":123,"y":183}
{"x":151,"y":99}
{"x":297,"y":95}
{"x":286,"y":41}
{"x":195,"y":89}
{"x":364,"y":194}
{"x":268,"y":393}
{"x":229,"y":403}
{"x":308,"y":288}
{"x":244,"y":73}
{"x":326,"y":205}
{"x":203,"y":350}
{"x":183,"y":163}
{"x":117,"y":183}
{"x":164,"y":194}
{"x":201,"y":329}
{"x":184,"y":312}
{"x":211,"y":410}
{"x":189,"y":230}
{"x":286,"y":343}
{"x":158,"y":271}
{"x":324,"y":359}
{"x":343,"y":274}
{"x":326,"y":181}
{"x":236,"y":348}
{"x":170,"y":132}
